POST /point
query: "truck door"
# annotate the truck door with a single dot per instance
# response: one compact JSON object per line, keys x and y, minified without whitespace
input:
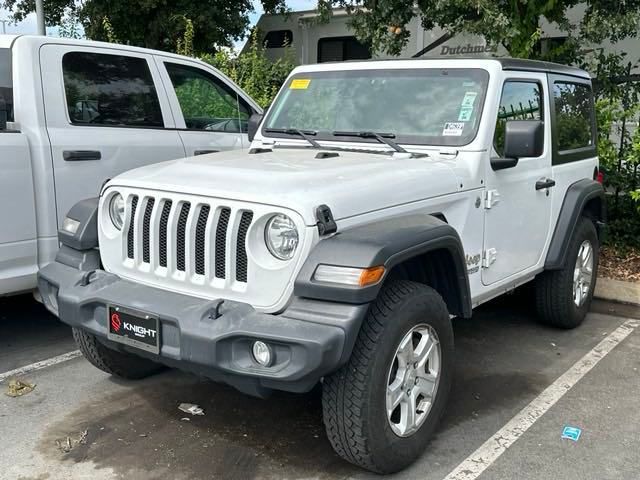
{"x":106,"y":113}
{"x":518,"y":213}
{"x":211,"y":112}
{"x":18,"y":242}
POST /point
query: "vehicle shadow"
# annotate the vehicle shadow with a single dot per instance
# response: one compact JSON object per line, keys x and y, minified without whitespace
{"x":138,"y":430}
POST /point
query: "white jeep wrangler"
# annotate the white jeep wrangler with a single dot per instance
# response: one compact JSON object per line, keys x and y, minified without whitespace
{"x":379,"y":200}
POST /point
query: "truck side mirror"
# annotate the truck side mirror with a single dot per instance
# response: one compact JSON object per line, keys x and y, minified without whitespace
{"x":254,"y":123}
{"x":3,"y":114}
{"x":522,"y":139}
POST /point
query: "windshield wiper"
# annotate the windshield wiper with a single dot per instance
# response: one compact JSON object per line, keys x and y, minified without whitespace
{"x":296,"y":131}
{"x":381,"y":137}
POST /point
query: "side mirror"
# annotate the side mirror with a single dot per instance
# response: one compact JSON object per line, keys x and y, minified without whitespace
{"x":254,"y":123}
{"x":522,"y":139}
{"x":3,"y":114}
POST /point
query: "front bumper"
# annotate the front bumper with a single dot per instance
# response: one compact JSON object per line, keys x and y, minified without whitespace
{"x":310,"y":338}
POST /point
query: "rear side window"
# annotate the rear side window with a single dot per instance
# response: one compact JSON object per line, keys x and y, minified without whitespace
{"x":110,"y":90}
{"x":574,"y":115}
{"x":6,"y":82}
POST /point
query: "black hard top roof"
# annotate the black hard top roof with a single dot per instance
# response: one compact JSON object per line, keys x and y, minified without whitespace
{"x":507,"y":63}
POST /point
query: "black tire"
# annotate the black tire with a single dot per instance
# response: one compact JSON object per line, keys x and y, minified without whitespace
{"x":354,"y":397}
{"x":120,"y":364}
{"x":554,"y":289}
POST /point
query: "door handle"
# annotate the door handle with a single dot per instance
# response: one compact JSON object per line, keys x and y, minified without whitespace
{"x":545,"y":183}
{"x":81,"y":155}
{"x":204,"y":152}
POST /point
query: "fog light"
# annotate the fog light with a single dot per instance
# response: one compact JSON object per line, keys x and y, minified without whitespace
{"x":262,"y":353}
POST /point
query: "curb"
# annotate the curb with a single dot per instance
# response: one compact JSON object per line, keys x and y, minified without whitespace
{"x":618,"y":291}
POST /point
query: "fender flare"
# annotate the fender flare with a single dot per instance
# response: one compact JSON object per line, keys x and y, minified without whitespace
{"x":578,"y":195}
{"x":85,"y":212}
{"x":388,"y":243}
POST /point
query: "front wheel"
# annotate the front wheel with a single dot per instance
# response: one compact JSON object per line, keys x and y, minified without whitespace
{"x":382,"y":407}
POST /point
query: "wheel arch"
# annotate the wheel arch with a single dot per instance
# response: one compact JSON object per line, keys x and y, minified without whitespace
{"x":420,"y":248}
{"x":584,"y":197}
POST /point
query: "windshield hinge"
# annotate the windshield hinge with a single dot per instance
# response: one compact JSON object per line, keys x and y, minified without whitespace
{"x":448,"y":153}
{"x":326,"y":224}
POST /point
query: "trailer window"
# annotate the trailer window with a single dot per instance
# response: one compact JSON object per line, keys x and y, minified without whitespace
{"x":6,"y":81}
{"x":278,"y":39}
{"x":338,"y":49}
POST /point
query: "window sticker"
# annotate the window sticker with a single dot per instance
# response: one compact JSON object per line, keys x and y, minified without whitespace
{"x":300,"y":83}
{"x":453,"y":129}
{"x":465,"y":114}
{"x":468,"y":99}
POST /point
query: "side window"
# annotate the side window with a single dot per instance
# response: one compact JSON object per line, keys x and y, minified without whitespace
{"x":6,"y":82}
{"x":278,"y":39}
{"x":520,"y":101}
{"x":574,"y":115}
{"x":206,"y":102}
{"x":338,"y":49}
{"x":111,"y":90}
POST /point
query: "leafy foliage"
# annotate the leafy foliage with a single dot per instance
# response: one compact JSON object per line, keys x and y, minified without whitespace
{"x":253,"y":71}
{"x":158,"y":24}
{"x":512,"y":24}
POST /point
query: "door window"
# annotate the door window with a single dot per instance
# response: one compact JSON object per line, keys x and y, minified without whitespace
{"x":206,"y":102}
{"x":573,"y":109}
{"x":110,"y":90}
{"x":520,"y":101}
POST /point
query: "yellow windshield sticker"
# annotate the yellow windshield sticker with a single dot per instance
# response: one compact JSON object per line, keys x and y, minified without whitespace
{"x":300,"y":83}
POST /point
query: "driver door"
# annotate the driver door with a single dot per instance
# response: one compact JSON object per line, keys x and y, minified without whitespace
{"x":211,"y":115}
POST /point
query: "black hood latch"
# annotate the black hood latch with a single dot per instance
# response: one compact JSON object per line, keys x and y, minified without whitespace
{"x":326,"y":223}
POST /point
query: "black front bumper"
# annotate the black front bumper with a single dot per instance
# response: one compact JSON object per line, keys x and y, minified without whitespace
{"x":310,"y":338}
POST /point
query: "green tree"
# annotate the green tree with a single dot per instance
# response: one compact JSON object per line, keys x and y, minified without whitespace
{"x":158,"y":24}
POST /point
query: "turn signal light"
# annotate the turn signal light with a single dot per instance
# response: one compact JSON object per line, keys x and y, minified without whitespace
{"x":356,"y":277}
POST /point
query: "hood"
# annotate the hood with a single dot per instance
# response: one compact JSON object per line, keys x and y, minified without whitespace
{"x":351,"y":183}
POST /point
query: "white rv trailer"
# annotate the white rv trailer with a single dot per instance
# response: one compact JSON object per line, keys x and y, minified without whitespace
{"x":315,"y":42}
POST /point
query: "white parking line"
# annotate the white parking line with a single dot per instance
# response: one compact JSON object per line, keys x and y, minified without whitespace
{"x":65,"y":357}
{"x":476,"y":463}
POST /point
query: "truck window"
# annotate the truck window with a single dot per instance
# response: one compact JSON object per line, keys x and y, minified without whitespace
{"x":520,"y":101}
{"x":110,"y":90}
{"x":574,"y":113}
{"x":6,"y":82}
{"x":206,"y":102}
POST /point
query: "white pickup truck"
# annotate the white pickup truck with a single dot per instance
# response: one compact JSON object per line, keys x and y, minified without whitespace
{"x":76,"y":113}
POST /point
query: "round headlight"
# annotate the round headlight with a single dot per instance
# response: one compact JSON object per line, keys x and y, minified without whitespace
{"x":116,"y":210}
{"x":281,"y":237}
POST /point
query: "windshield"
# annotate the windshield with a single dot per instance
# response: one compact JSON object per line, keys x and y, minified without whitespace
{"x":413,"y":106}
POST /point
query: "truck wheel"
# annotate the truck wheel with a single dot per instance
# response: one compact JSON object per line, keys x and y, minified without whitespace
{"x":382,"y":407}
{"x":563,"y":297}
{"x":116,"y":363}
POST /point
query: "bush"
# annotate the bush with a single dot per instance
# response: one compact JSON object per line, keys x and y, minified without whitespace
{"x":253,"y":71}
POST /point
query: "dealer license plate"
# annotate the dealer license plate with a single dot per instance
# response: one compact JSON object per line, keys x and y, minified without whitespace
{"x":136,"y":329}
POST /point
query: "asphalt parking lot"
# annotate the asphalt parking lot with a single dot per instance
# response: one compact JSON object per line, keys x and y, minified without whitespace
{"x":505,"y":361}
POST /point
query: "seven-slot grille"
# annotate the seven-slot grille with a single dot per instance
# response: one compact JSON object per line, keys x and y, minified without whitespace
{"x":195,"y":238}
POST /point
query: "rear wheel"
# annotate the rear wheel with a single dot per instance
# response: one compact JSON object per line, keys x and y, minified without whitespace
{"x":120,"y":364}
{"x":563,"y":297}
{"x":382,"y":407}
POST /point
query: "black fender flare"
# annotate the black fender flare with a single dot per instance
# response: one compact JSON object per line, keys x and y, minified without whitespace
{"x":387,"y":242}
{"x":85,"y":212}
{"x":576,"y":200}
